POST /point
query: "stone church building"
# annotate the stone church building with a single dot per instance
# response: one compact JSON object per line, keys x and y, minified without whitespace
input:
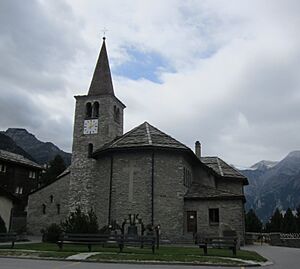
{"x":143,"y":171}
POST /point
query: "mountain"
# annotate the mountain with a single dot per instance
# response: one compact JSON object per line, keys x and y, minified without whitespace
{"x":273,"y":184}
{"x":263,"y":165}
{"x":6,"y":143}
{"x":42,"y":152}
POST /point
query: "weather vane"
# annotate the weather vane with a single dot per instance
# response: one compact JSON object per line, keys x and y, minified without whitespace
{"x":104,"y":30}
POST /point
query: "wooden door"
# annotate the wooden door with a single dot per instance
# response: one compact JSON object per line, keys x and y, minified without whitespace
{"x":191,"y":221}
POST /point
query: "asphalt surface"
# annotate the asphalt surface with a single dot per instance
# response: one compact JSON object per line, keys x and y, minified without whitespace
{"x":282,"y":258}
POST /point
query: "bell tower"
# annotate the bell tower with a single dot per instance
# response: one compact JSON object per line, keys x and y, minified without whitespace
{"x":98,"y":120}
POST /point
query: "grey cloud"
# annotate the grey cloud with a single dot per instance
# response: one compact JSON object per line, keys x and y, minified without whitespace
{"x":18,"y":110}
{"x":36,"y":47}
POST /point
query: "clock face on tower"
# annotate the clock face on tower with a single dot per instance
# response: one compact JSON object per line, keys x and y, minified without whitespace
{"x":90,"y":127}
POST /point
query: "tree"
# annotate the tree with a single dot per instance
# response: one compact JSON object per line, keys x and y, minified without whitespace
{"x":253,"y":223}
{"x":56,"y":167}
{"x":298,"y":219}
{"x":80,"y":222}
{"x":2,"y":226}
{"x":52,"y":233}
{"x":275,"y":223}
{"x":289,"y":222}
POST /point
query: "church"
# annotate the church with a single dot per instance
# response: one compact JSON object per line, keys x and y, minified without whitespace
{"x":144,"y":171}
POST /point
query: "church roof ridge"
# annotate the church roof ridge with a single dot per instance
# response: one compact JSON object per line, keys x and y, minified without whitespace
{"x":101,"y":83}
{"x":144,"y":135}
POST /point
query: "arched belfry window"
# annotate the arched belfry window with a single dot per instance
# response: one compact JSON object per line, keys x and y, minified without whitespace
{"x":90,"y":150}
{"x":96,"y":110}
{"x":88,"y":110}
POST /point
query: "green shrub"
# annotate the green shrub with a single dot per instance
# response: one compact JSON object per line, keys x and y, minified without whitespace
{"x":80,"y":222}
{"x":52,"y":233}
{"x":2,"y":226}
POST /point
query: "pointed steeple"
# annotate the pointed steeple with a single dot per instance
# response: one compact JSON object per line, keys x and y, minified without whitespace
{"x":101,"y":82}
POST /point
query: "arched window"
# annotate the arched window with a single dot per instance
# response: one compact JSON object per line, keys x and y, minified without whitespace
{"x":90,"y":150}
{"x":51,"y":198}
{"x":96,"y":110}
{"x":88,"y":110}
{"x":44,"y":209}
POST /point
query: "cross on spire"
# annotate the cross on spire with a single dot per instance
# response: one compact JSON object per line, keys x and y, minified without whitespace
{"x":104,"y":30}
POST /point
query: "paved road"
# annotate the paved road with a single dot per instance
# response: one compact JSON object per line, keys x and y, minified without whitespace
{"x":283,"y":258}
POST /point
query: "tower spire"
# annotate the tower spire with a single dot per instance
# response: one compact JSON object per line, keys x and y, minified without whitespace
{"x":101,"y":83}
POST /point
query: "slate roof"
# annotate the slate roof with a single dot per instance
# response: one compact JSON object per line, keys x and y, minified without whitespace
{"x":16,"y":158}
{"x":221,"y":168}
{"x":144,"y":135}
{"x":64,"y":173}
{"x":101,"y":83}
{"x":199,"y":191}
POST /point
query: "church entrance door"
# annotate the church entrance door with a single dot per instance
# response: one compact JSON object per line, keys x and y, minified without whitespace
{"x":191,"y":221}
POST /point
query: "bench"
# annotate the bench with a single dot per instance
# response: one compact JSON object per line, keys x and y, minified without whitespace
{"x":8,"y":237}
{"x":138,"y":241}
{"x":90,"y":240}
{"x":217,"y":242}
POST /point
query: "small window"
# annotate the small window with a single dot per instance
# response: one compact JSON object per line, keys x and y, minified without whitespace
{"x":117,"y":114}
{"x":90,"y":150}
{"x":96,"y":110}
{"x":44,"y":209}
{"x":88,"y":110}
{"x":214,"y":216}
{"x":187,"y":177}
{"x":58,"y":209}
{"x":2,"y":168}
{"x":32,"y":174}
{"x":19,"y":190}
{"x":51,"y":198}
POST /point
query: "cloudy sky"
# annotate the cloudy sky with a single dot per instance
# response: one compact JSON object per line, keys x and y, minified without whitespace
{"x":222,"y":72}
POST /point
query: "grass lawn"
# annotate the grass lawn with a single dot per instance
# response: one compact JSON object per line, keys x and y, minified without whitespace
{"x":165,"y":253}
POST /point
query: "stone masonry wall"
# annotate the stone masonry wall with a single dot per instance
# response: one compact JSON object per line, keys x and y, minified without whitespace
{"x":99,"y":193}
{"x":132,"y":189}
{"x":203,"y":177}
{"x":36,"y":220}
{"x":84,"y":169}
{"x":233,"y":186}
{"x":131,"y":186}
{"x":231,"y":216}
{"x":169,"y":194}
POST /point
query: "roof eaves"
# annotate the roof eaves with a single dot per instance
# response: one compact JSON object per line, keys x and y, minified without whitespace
{"x":225,"y":197}
{"x":49,"y":183}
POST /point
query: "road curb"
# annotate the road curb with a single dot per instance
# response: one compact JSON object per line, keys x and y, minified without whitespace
{"x":136,"y":262}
